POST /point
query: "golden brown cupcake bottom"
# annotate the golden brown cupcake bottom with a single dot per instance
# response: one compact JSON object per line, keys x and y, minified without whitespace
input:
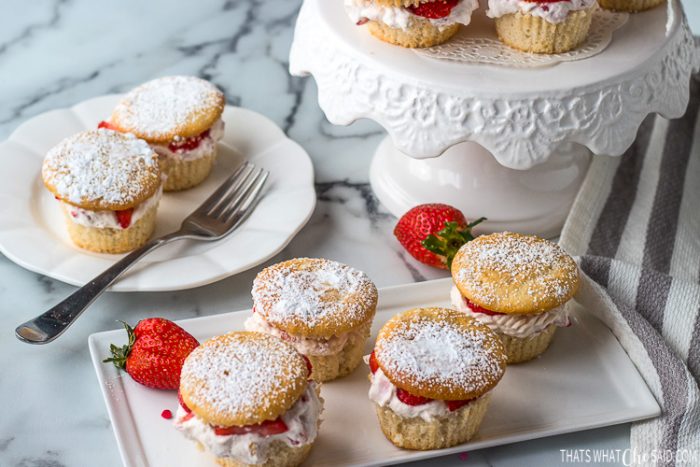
{"x":186,"y":173}
{"x":526,"y":348}
{"x":329,"y":367}
{"x":420,"y":34}
{"x":280,"y":455}
{"x":533,"y":34}
{"x":415,"y":433}
{"x":630,"y":6}
{"x":113,"y":240}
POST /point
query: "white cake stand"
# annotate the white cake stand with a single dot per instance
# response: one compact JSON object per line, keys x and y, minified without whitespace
{"x":514,"y":143}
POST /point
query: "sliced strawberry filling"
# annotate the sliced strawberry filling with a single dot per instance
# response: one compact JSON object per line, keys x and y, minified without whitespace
{"x":413,"y":399}
{"x":309,"y":366}
{"x":124,"y":217}
{"x":188,"y":144}
{"x":106,"y":125}
{"x":477,"y":309}
{"x":266,"y":428}
{"x":373,"y":365}
{"x":434,"y":10}
{"x":182,"y":403}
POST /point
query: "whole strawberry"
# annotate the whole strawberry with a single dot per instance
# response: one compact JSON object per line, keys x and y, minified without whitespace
{"x":433,"y":233}
{"x":155,"y":353}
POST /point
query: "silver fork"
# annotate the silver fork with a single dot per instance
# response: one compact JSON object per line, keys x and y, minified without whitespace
{"x":217,"y":217}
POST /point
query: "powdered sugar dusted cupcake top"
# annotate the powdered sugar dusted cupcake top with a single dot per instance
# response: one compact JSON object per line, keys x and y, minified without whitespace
{"x":102,"y":170}
{"x":513,"y":273}
{"x":242,"y":378}
{"x":440,"y":354}
{"x":553,"y":12}
{"x":169,"y":108}
{"x":314,"y":297}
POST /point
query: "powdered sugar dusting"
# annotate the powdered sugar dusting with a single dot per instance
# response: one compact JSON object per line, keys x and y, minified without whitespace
{"x":162,"y":107}
{"x":435,"y":351}
{"x":241,"y":376}
{"x":102,"y":168}
{"x":490,"y":264}
{"x":314,"y":293}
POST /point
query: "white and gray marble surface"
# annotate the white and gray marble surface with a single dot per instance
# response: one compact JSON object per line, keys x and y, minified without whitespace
{"x":54,"y":53}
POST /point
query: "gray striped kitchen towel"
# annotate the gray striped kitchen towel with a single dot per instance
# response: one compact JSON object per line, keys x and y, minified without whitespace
{"x":635,"y":227}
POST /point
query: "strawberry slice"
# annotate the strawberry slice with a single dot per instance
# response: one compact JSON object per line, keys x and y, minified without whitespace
{"x":309,"y":366}
{"x":188,"y":144}
{"x":182,"y":403}
{"x":106,"y":125}
{"x":411,"y":399}
{"x":266,"y":428}
{"x":454,"y":405}
{"x":373,"y":365}
{"x":477,"y":309}
{"x":186,"y":417}
{"x":124,"y":217}
{"x":434,"y":10}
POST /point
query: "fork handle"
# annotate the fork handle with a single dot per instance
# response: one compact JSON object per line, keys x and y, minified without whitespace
{"x":48,"y":326}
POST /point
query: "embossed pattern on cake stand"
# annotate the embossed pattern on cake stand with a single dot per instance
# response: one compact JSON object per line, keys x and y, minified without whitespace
{"x":525,"y":119}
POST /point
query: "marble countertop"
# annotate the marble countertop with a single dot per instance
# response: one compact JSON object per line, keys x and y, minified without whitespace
{"x":54,"y":53}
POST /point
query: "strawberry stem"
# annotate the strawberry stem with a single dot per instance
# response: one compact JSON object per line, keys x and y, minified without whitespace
{"x":473,"y":224}
{"x":120,"y":354}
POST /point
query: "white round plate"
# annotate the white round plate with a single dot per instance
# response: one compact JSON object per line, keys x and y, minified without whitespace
{"x":33,"y":234}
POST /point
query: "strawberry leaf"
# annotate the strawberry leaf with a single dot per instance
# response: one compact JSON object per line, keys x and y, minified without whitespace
{"x":120,"y":354}
{"x":449,"y":240}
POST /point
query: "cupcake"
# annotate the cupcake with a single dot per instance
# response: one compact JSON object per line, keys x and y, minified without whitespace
{"x":412,"y":23}
{"x":630,"y":6}
{"x":432,"y":370}
{"x":245,"y":397}
{"x":517,"y":285}
{"x":180,"y":117}
{"x":108,"y":185}
{"x":540,"y":26}
{"x":321,"y":307}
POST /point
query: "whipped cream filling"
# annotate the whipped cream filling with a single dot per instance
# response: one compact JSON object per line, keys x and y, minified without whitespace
{"x":400,"y":18}
{"x":108,"y":219}
{"x":253,"y":448}
{"x":383,"y":393}
{"x":307,"y":345}
{"x":555,"y":12}
{"x":520,"y":325}
{"x":205,"y":147}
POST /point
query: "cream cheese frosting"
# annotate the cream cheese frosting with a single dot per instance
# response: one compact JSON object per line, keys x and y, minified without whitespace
{"x":108,"y":219}
{"x":555,"y":12}
{"x":400,"y":18}
{"x":205,"y":147}
{"x":383,"y":393}
{"x":515,"y":325}
{"x":307,"y":345}
{"x":253,"y":448}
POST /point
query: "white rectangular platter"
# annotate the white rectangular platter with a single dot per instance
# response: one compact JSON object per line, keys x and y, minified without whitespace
{"x":585,"y":380}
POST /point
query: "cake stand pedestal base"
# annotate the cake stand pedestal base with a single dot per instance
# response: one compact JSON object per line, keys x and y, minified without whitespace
{"x":468,"y":177}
